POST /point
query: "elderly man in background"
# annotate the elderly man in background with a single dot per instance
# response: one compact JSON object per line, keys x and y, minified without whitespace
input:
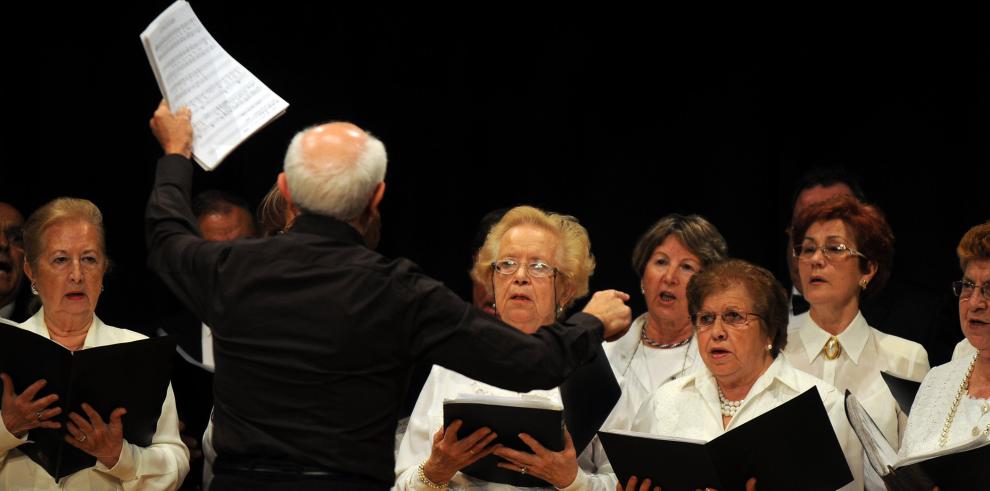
{"x":15,"y":303}
{"x":223,"y":216}
{"x":315,"y":334}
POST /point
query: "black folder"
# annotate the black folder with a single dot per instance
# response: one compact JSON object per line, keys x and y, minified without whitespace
{"x":957,"y":467}
{"x":131,"y":375}
{"x":792,"y":446}
{"x":903,"y":390}
{"x":589,"y":395}
{"x":545,"y":425}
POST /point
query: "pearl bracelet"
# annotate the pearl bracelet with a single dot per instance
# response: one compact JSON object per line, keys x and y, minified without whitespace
{"x":425,"y":480}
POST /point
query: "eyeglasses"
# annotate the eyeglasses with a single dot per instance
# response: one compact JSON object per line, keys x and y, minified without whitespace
{"x":535,"y":269}
{"x":732,"y":318}
{"x":964,"y":289}
{"x":807,"y":251}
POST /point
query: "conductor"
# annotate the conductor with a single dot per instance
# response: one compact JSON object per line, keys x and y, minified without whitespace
{"x":315,"y":333}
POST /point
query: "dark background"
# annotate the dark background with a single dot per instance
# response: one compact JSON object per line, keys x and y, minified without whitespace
{"x":616,"y":118}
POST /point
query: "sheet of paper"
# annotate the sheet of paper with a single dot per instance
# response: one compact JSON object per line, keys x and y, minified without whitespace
{"x":228,"y":102}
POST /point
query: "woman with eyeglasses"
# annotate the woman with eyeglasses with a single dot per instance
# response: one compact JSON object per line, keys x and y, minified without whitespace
{"x":844,"y":250}
{"x":740,"y":315}
{"x":537,"y":264}
{"x":953,"y":404}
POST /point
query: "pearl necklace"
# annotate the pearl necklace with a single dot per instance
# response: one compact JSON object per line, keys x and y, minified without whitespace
{"x":963,"y":390}
{"x":729,"y":408}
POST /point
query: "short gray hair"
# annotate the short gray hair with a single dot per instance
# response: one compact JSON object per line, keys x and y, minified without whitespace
{"x":337,"y":189}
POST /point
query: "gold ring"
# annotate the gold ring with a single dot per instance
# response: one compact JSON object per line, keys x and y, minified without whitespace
{"x":81,"y":438}
{"x":522,"y":470}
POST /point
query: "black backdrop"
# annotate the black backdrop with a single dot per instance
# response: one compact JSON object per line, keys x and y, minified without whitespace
{"x":616,"y":118}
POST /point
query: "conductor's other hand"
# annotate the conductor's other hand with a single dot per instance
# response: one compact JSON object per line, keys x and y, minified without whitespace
{"x":173,"y":130}
{"x":609,"y":306}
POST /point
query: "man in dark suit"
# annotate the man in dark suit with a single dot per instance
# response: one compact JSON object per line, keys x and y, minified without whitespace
{"x":316,"y":334}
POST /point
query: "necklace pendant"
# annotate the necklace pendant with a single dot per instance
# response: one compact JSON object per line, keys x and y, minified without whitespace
{"x":832,"y":349}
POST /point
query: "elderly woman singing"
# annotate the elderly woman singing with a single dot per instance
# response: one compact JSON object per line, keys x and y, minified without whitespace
{"x":953,"y":403}
{"x":844,"y":250}
{"x":740,"y":314}
{"x":537,"y":264}
{"x":65,"y":259}
{"x":660,"y":344}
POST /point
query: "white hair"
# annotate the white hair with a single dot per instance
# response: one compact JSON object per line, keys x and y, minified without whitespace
{"x":337,"y":189}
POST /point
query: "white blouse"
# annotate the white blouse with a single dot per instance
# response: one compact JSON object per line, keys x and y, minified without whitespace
{"x":865,"y":353}
{"x":160,"y":466}
{"x":931,"y":408}
{"x":641,"y":370}
{"x":963,"y":349}
{"x":689,"y":407}
{"x":427,"y":418}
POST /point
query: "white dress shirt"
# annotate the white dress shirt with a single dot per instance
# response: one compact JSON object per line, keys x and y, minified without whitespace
{"x":689,"y":407}
{"x":427,"y":418}
{"x":931,"y":409}
{"x":160,"y":466}
{"x":865,"y":353}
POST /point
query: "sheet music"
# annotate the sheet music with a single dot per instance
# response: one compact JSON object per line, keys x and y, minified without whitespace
{"x":228,"y":102}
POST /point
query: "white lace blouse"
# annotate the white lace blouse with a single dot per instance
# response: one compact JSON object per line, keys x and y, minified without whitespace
{"x":931,"y":408}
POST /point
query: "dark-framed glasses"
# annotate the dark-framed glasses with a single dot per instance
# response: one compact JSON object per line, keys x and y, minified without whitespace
{"x":735,"y":319}
{"x":835,"y":250}
{"x":965,"y":289}
{"x":535,"y":269}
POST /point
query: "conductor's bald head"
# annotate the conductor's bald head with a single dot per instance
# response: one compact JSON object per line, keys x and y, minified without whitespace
{"x":335,"y":169}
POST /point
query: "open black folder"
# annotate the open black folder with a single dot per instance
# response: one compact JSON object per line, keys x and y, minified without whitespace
{"x":131,"y":375}
{"x":507,"y":416}
{"x":961,"y":466}
{"x":588,"y":396}
{"x":792,"y":446}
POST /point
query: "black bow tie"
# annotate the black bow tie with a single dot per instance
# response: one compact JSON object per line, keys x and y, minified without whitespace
{"x":799,"y":305}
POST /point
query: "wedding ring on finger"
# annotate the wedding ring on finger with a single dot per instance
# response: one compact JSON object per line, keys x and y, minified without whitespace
{"x":81,"y":438}
{"x":522,"y":470}
{"x":37,"y":416}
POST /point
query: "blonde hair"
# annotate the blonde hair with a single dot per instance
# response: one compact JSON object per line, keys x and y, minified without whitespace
{"x":57,"y":210}
{"x":574,"y":261}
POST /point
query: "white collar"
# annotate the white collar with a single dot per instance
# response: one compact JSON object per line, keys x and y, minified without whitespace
{"x":704,"y":383}
{"x":37,"y":325}
{"x":853,"y":339}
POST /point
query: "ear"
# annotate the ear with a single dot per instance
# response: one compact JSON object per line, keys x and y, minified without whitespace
{"x":376,"y":197}
{"x":870,"y":273}
{"x":283,"y":189}
{"x":27,"y":270}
